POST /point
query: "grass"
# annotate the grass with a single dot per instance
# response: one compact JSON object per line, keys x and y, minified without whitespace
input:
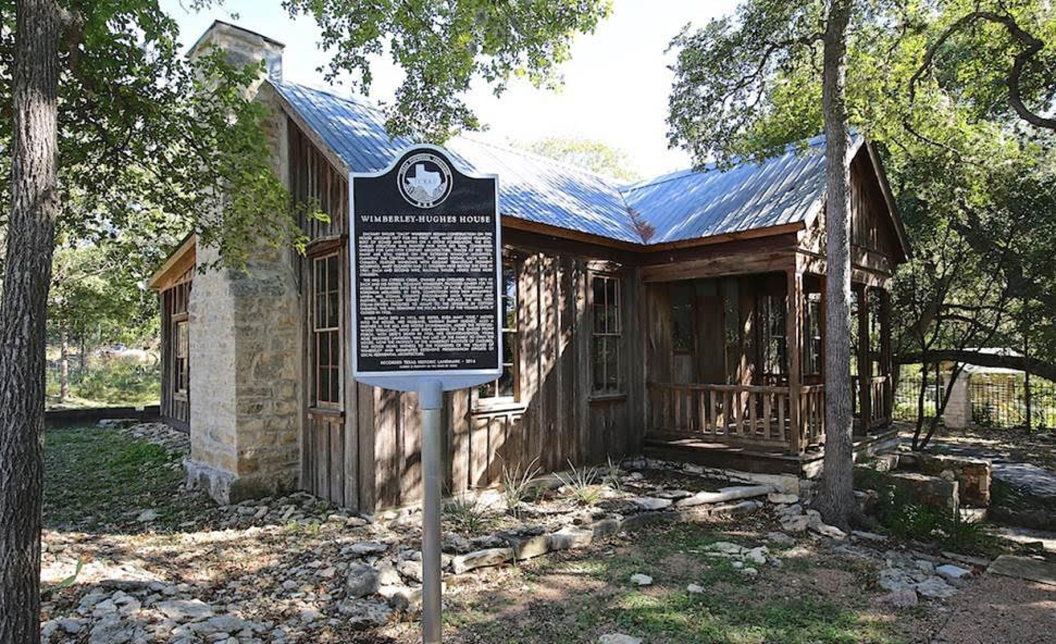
{"x":734,"y":609}
{"x":101,"y":479}
{"x":115,"y":383}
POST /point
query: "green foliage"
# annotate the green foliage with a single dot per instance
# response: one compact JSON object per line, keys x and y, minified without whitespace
{"x":101,"y":479}
{"x":898,"y":512}
{"x":596,"y":156}
{"x":445,"y":47}
{"x":613,"y":475}
{"x":582,"y":484}
{"x":516,"y":486}
{"x":466,"y":513}
{"x":118,"y":382}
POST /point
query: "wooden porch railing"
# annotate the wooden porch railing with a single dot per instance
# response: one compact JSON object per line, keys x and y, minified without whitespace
{"x":879,"y":399}
{"x":737,"y":414}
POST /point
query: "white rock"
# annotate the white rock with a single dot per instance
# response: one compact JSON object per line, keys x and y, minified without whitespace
{"x":362,"y":580}
{"x":757,"y":555}
{"x":694,"y":589}
{"x":569,"y":538}
{"x":652,"y":503}
{"x":904,"y":598}
{"x":782,"y":499}
{"x":618,"y":638}
{"x":935,"y":587}
{"x":732,"y":493}
{"x":952,"y":572}
{"x":641,"y":580}
{"x":780,"y":538}
{"x":726,"y":547}
{"x":830,"y":531}
{"x":751,"y":572}
{"x":185,"y":610}
{"x":146,"y":516}
{"x":365,"y":548}
{"x":795,"y":523}
{"x":868,"y":536}
{"x":480,"y":559}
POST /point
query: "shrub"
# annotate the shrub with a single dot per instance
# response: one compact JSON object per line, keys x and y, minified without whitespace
{"x":613,"y":476}
{"x":516,"y":486}
{"x":581,"y":484}
{"x":467,"y":514}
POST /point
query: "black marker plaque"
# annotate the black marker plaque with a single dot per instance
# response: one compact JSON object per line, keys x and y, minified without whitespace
{"x":426,"y":271}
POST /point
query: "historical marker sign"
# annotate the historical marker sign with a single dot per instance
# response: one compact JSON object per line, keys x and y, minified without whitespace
{"x":426,"y":271}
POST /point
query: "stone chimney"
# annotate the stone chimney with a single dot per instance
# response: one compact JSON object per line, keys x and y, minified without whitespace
{"x":246,"y":332}
{"x":242,"y":47}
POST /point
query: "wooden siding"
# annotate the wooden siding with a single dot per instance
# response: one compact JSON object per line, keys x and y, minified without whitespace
{"x":175,"y":408}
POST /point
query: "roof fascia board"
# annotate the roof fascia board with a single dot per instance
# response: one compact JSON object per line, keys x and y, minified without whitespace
{"x":889,"y":198}
{"x":174,"y":259}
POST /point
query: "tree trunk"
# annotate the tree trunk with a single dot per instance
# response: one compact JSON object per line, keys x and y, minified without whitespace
{"x":835,"y":498}
{"x":64,"y":367}
{"x":83,"y":357}
{"x":23,"y":308}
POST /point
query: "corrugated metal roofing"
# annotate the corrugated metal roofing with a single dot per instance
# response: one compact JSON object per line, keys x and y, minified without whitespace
{"x":688,"y":205}
{"x":680,"y":206}
{"x":531,"y":187}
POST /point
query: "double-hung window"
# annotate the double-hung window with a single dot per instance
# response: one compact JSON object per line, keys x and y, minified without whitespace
{"x":506,"y":388}
{"x":326,"y":330}
{"x":605,"y":348}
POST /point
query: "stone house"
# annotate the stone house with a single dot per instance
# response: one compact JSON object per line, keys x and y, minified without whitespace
{"x":678,"y":317}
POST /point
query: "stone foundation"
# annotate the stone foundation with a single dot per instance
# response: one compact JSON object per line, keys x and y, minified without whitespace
{"x":973,"y":475}
{"x":928,"y":490}
{"x":226,"y":488}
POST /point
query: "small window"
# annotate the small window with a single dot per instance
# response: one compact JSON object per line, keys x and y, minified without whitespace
{"x":180,"y":378}
{"x":812,"y":355}
{"x":506,"y":387}
{"x":326,"y":329}
{"x":607,"y":330}
{"x":775,"y":344}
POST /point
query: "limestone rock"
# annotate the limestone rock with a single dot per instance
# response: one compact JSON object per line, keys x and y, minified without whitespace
{"x":904,"y":598}
{"x":757,"y":555}
{"x":362,"y":614}
{"x":653,"y":503}
{"x":726,"y":547}
{"x":951,"y":572}
{"x":694,"y":589}
{"x":185,"y":610}
{"x":641,"y":580}
{"x":732,"y":493}
{"x":782,"y":499}
{"x":868,"y":536}
{"x":146,"y":516}
{"x":570,"y":538}
{"x":795,"y":523}
{"x":780,"y":538}
{"x":112,"y":630}
{"x":362,"y":580}
{"x":481,"y":559}
{"x":935,"y":587}
{"x":530,"y":546}
{"x":365,"y":548}
{"x":618,"y":638}
{"x":830,"y":531}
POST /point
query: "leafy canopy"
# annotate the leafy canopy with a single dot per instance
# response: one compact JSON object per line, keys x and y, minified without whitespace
{"x":596,"y":156}
{"x":445,"y":47}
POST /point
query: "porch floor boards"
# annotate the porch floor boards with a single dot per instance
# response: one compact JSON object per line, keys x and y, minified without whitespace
{"x":758,"y":460}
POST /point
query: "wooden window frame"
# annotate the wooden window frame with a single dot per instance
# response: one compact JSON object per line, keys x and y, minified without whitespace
{"x":813,"y":357}
{"x":482,"y":402}
{"x":334,"y":334}
{"x":181,"y":377}
{"x":607,"y":335}
{"x":690,"y":289}
{"x":765,"y":305}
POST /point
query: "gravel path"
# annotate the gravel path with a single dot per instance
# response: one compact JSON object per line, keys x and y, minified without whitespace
{"x":1001,"y":610}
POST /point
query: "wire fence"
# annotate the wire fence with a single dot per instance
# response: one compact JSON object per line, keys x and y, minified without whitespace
{"x":999,"y":403}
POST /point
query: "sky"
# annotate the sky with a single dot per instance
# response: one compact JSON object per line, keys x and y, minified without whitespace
{"x":616,"y":83}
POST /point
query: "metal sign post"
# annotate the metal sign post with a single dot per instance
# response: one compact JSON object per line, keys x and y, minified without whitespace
{"x":426,"y":261}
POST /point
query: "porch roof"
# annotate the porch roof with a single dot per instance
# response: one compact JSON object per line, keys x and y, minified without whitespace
{"x":682,"y":206}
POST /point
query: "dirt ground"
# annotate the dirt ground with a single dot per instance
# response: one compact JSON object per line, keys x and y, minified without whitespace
{"x":1035,"y":448}
{"x":115,"y":503}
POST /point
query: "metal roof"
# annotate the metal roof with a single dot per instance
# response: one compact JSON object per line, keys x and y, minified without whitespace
{"x":680,"y":206}
{"x":691,"y":204}
{"x":532,"y":188}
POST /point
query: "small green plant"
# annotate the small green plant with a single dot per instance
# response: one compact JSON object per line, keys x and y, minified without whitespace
{"x":69,"y":581}
{"x":613,"y":476}
{"x":582,"y":484}
{"x":467,"y":514}
{"x":516,"y":486}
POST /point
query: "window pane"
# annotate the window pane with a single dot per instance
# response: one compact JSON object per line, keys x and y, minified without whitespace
{"x":612,"y":364}
{"x":506,"y":382}
{"x":487,"y":390}
{"x":509,"y":341}
{"x":181,"y":339}
{"x":599,"y":363}
{"x":323,"y":345}
{"x":599,"y":304}
{"x":320,"y":311}
{"x":334,"y":309}
{"x":323,"y":389}
{"x":335,"y":385}
{"x":332,"y":270}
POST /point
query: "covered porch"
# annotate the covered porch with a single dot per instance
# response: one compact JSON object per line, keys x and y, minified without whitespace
{"x":735,"y":364}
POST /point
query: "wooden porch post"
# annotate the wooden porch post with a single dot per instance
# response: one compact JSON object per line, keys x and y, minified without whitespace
{"x":793,"y":321}
{"x":885,"y":353}
{"x":865,"y":371}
